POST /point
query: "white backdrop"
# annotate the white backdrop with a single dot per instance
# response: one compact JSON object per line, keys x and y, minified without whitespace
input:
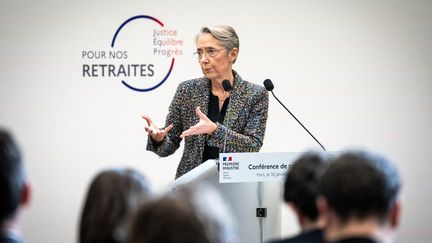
{"x":357,"y":73}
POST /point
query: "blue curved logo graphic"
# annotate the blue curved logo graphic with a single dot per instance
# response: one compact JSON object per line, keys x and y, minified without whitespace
{"x":113,"y":43}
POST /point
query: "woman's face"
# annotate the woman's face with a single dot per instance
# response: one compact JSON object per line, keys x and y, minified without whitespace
{"x":215,"y":61}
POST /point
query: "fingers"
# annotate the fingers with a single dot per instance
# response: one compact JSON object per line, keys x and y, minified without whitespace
{"x":148,"y":119}
{"x":200,"y":114}
{"x":188,"y":132}
{"x":201,"y":127}
{"x":168,"y":128}
{"x":156,"y":131}
{"x":193,"y":130}
{"x":156,"y":134}
{"x":151,"y":131}
{"x":147,"y":129}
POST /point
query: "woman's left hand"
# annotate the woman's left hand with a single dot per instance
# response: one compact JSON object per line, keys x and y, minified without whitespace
{"x":204,"y":126}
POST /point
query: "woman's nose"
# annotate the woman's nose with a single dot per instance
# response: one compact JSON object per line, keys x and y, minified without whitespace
{"x":204,"y":59}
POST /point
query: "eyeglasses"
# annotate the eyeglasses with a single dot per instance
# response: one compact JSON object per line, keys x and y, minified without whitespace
{"x":208,"y":52}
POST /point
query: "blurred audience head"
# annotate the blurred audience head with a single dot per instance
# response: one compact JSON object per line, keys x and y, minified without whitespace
{"x":360,"y":193}
{"x":189,"y":214}
{"x":114,"y":195}
{"x":302,"y":187}
{"x":14,"y":188}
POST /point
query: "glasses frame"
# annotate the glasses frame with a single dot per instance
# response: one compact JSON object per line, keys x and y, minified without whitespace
{"x":208,"y":52}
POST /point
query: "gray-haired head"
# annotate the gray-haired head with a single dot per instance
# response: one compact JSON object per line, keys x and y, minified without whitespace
{"x":225,"y":34}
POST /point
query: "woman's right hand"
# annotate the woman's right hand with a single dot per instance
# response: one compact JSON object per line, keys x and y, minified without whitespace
{"x":156,"y":134}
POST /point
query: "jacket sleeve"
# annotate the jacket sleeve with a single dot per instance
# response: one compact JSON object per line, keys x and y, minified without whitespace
{"x":251,"y":139}
{"x":172,"y":140}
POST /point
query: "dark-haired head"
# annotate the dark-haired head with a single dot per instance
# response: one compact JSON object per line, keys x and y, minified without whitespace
{"x":12,"y":178}
{"x":360,"y":184}
{"x":112,"y":198}
{"x":302,"y":183}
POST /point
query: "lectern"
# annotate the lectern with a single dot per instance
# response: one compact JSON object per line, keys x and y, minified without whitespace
{"x":251,"y":184}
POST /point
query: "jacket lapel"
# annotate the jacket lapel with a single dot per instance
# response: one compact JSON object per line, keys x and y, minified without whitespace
{"x":237,"y":102}
{"x":203,"y":96}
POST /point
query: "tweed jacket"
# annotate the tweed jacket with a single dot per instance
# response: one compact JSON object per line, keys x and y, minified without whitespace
{"x":245,"y":121}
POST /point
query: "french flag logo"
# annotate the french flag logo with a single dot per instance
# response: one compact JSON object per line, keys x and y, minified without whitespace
{"x":227,"y":158}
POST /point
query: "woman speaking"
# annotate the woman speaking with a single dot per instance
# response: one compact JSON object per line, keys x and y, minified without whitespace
{"x":209,"y":118}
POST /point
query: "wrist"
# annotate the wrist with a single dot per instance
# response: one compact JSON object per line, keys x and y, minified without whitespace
{"x":213,"y":129}
{"x":156,"y":140}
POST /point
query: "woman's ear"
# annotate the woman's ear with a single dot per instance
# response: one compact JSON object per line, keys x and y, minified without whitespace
{"x":233,"y":54}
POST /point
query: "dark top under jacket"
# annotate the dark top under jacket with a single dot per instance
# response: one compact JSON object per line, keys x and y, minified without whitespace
{"x":211,"y":152}
{"x":313,"y":236}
